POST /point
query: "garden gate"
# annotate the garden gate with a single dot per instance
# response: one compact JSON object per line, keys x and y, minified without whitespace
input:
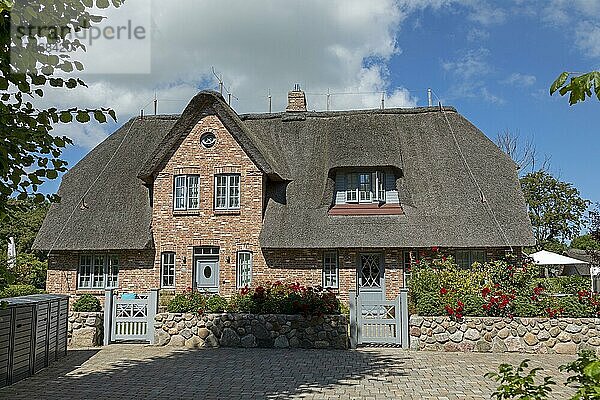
{"x":129,"y":316}
{"x":375,"y":321}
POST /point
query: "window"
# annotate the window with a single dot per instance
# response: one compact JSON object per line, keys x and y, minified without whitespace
{"x":186,"y":193}
{"x":227,"y":192}
{"x":330,"y":270}
{"x":244,"y":269}
{"x":466,"y":258}
{"x":408,"y":258}
{"x":365,"y":187}
{"x":167,"y":270}
{"x":98,"y":272}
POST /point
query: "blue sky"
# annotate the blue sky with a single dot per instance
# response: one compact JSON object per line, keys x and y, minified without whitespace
{"x":493,"y":61}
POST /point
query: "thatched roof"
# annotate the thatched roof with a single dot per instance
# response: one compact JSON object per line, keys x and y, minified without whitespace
{"x":441,"y":201}
{"x":115,"y":214}
{"x":298,"y":152}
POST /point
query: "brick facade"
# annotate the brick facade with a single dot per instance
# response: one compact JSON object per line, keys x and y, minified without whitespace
{"x":135,"y":272}
{"x":232,"y":231}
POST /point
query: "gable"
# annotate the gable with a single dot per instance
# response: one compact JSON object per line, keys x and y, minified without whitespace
{"x":208,"y":103}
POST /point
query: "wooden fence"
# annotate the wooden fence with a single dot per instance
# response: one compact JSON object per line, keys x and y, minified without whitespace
{"x":33,"y":333}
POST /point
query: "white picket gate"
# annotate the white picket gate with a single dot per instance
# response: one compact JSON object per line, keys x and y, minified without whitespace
{"x":129,"y":317}
{"x":379,"y":321}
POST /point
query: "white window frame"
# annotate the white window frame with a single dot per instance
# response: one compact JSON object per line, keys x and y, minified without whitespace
{"x":230,"y":199}
{"x":357,"y":191}
{"x":331,"y":271}
{"x":244,"y":261}
{"x":186,"y":190}
{"x":167,"y":269}
{"x":97,"y":272}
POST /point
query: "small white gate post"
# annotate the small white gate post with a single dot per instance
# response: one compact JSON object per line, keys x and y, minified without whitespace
{"x":353,"y":322}
{"x":108,"y":308}
{"x":152,"y":310}
{"x":404,"y":317}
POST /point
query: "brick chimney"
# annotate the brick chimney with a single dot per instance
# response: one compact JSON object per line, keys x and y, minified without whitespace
{"x":296,"y":100}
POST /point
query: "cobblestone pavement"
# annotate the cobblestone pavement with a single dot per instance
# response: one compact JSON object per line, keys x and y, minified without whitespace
{"x":146,"y":372}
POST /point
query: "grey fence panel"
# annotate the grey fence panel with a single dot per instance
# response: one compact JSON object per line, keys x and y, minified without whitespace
{"x":130,"y":319}
{"x":33,"y":332}
{"x":379,"y":321}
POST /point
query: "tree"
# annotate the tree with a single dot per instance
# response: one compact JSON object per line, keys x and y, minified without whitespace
{"x":30,"y":153}
{"x":556,"y":208}
{"x":522,"y":151}
{"x":23,"y":223}
{"x":579,"y":87}
{"x":585,"y":242}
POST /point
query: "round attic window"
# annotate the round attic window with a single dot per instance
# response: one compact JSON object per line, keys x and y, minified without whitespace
{"x":208,"y":140}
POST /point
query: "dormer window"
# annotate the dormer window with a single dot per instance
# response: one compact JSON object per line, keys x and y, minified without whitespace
{"x":365,"y":187}
{"x":186,"y":194}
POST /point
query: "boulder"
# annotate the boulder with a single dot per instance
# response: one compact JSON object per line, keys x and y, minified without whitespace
{"x":282,"y":342}
{"x":248,"y":341}
{"x":229,"y":338}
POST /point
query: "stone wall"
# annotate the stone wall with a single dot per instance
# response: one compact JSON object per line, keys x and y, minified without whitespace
{"x":498,"y":335}
{"x":85,"y":329}
{"x":249,"y":330}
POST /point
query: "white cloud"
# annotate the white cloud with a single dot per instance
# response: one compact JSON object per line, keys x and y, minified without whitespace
{"x":341,"y":45}
{"x":477,"y":35}
{"x":518,"y":79}
{"x":469,"y":71}
{"x":587,"y":38}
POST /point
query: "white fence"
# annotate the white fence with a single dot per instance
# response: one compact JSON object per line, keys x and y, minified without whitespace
{"x":129,"y":317}
{"x":379,"y":321}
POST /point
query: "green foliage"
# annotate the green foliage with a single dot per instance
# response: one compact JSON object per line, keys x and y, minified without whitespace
{"x":272,"y":298}
{"x":570,"y":284}
{"x":242,"y":303}
{"x":516,"y":384}
{"x":23,"y":223}
{"x":216,"y":304}
{"x":579,"y":87}
{"x":586,"y":378}
{"x":556,"y":208}
{"x":585,"y":242}
{"x":86,"y":303}
{"x":189,"y":301}
{"x":524,"y":306}
{"x":30,"y":153}
{"x":429,"y":304}
{"x":19,"y":290}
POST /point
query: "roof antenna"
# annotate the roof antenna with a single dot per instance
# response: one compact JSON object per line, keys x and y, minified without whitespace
{"x":219,"y":79}
{"x":142,"y":113}
{"x":328,"y":98}
{"x":440,"y":105}
{"x":429,"y":97}
{"x":155,"y":104}
{"x":270,"y":101}
{"x":382,"y":100}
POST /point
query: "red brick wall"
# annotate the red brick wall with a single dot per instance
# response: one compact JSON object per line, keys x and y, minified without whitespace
{"x":135,"y":272}
{"x":181,"y":232}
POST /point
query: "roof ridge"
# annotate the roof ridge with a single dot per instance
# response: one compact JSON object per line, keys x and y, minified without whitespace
{"x":328,"y":114}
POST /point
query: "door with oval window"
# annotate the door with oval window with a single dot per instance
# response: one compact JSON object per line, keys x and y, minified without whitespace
{"x":206,"y":269}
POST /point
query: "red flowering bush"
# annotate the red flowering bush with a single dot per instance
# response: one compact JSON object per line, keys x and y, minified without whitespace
{"x":281,"y":298}
{"x":497,"y":302}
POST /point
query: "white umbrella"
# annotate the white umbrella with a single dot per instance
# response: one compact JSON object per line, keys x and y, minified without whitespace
{"x":548,"y":258}
{"x":12,"y":253}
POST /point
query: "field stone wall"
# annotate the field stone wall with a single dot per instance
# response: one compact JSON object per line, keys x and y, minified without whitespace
{"x":249,"y":330}
{"x":499,"y":335}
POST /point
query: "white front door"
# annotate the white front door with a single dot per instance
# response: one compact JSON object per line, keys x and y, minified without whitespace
{"x":206,"y":275}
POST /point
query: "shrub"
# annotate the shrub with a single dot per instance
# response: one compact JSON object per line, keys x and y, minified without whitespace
{"x":525,"y":306}
{"x":86,"y":303}
{"x":516,"y":384}
{"x":216,"y":304}
{"x":430,"y":304}
{"x":242,"y":303}
{"x":19,"y":290}
{"x":189,"y":301}
{"x":473,"y":305}
{"x":571,"y":284}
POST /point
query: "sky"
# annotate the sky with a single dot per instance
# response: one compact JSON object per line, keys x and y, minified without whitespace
{"x":494,"y":61}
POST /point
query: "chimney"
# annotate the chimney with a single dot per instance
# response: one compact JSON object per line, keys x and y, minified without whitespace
{"x":296,"y":100}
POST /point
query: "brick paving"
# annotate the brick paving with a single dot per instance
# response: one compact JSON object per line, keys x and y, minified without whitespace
{"x":147,"y":372}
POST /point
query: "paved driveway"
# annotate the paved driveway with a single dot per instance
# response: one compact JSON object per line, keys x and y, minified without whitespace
{"x":146,"y":372}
